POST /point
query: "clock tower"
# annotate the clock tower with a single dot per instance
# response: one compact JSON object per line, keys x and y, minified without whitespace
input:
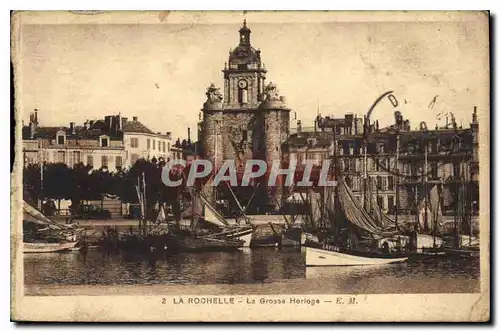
{"x":249,"y":119}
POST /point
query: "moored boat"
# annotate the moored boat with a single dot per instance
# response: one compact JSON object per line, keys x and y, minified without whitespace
{"x":336,"y":256}
{"x":187,"y":243}
{"x":463,"y":252}
{"x":34,"y":247}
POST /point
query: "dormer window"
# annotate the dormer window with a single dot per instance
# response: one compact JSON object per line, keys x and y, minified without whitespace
{"x":61,"y":137}
{"x":104,"y":141}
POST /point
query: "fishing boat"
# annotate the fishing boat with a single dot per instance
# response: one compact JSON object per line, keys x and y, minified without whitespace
{"x":360,"y":241}
{"x":40,"y":234}
{"x":222,"y":228}
{"x":191,"y":243}
{"x":355,"y":237}
{"x":208,"y":230}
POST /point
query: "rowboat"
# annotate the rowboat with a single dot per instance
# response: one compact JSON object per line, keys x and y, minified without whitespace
{"x":34,"y":247}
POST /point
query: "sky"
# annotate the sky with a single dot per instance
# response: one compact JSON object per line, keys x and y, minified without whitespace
{"x":157,"y":66}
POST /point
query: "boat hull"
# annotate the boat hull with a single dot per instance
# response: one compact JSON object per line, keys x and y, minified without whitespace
{"x":322,"y":257}
{"x":463,"y":253}
{"x":244,"y":235}
{"x":192,"y":244}
{"x":47,"y":247}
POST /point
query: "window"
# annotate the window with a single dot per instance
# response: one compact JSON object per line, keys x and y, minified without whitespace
{"x":76,"y":157}
{"x":160,"y":143}
{"x":244,"y":135}
{"x":104,"y":142}
{"x":164,"y":145}
{"x":154,"y":144}
{"x":390,"y":183}
{"x":379,"y":182}
{"x":346,"y":165}
{"x":134,"y":157}
{"x":104,"y":161}
{"x":377,"y":165}
{"x":390,"y":202}
{"x":134,"y":142}
{"x":345,"y":148}
{"x":61,"y":139}
{"x":61,"y":157}
{"x":380,"y":202}
{"x":90,"y":161}
{"x":118,"y":163}
{"x":434,"y":170}
{"x":456,"y":170}
{"x":148,"y":143}
{"x":356,"y":148}
{"x":168,"y":146}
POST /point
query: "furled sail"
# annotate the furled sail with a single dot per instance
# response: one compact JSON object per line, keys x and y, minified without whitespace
{"x":161,"y":216}
{"x":434,"y":212}
{"x":435,"y":206}
{"x":358,"y":216}
{"x":315,"y":205}
{"x":382,"y":219}
{"x":374,"y":209}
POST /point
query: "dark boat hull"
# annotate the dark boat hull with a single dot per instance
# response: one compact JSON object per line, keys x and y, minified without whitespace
{"x":463,"y":252}
{"x":200,"y":244}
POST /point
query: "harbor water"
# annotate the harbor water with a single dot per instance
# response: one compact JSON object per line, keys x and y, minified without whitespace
{"x":247,"y":271}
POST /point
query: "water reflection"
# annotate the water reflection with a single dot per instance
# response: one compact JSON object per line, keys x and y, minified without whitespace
{"x":250,"y":266}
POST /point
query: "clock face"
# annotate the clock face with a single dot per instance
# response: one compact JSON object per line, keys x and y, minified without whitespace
{"x":242,"y":84}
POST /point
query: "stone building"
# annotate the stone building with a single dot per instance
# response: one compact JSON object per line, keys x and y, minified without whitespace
{"x":113,"y":143}
{"x":249,"y":120}
{"x":451,"y":158}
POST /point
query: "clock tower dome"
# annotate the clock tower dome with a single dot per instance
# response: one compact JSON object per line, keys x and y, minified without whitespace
{"x":244,"y":74}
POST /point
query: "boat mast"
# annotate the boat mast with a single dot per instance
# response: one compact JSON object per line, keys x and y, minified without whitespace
{"x":426,"y":221}
{"x":40,"y":200}
{"x":215,"y":161}
{"x":336,"y":174}
{"x":365,"y":173}
{"x":397,"y":179}
{"x":469,"y":205}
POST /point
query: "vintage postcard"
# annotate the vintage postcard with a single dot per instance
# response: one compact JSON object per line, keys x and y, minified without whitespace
{"x":251,"y":166}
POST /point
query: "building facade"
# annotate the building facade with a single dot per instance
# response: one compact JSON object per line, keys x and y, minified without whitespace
{"x":112,"y":143}
{"x":383,"y":159}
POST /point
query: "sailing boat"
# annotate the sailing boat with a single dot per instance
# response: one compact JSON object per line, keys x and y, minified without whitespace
{"x":219,"y":237}
{"x":225,"y":230}
{"x":42,"y":235}
{"x":356,"y":238}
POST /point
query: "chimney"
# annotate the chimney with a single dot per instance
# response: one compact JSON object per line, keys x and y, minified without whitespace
{"x":189,"y":135}
{"x":474,"y":115}
{"x":33,"y":123}
{"x":135,"y":118}
{"x":124,"y":121}
{"x":72,"y":128}
{"x":91,"y":123}
{"x":299,"y":128}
